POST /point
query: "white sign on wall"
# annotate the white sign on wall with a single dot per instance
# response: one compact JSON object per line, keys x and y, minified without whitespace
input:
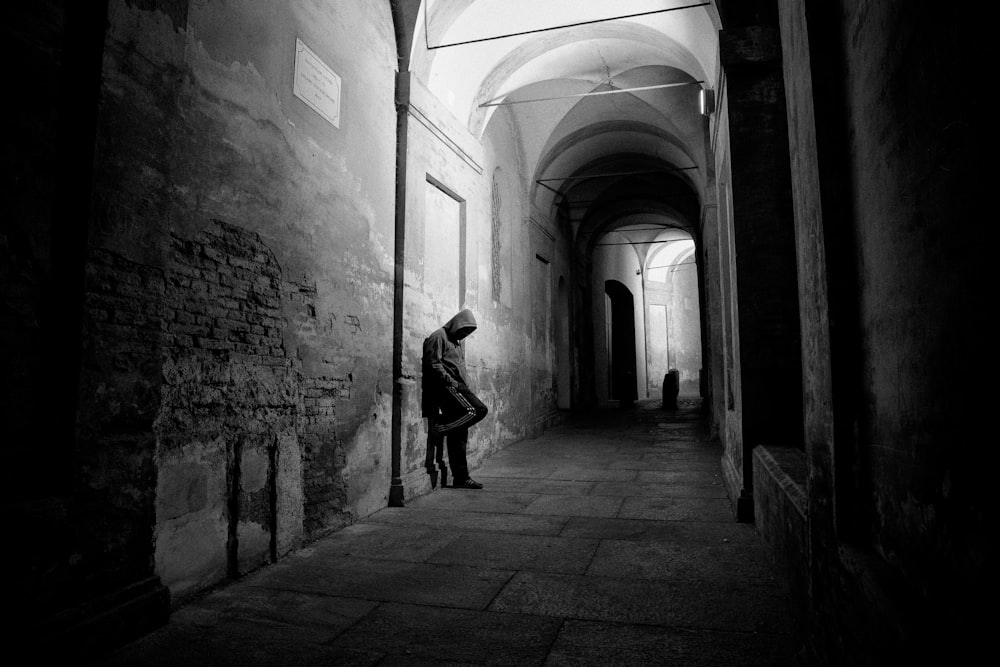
{"x":316,"y":84}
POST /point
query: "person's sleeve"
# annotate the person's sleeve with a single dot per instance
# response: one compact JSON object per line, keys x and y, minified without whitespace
{"x":433,"y":355}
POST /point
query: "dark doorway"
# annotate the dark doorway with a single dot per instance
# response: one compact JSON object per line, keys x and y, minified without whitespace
{"x":621,"y":342}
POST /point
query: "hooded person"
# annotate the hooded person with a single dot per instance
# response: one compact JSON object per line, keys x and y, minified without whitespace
{"x":449,"y":404}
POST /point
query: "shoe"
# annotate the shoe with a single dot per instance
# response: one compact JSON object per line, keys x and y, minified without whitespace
{"x":467,"y":484}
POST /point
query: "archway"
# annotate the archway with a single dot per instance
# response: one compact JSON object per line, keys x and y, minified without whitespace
{"x":620,"y":322}
{"x":673,"y":308}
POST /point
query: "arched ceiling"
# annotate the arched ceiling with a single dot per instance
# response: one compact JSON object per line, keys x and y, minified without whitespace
{"x":655,"y":205}
{"x":657,"y":133}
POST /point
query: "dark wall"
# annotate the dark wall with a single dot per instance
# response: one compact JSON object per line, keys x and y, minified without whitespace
{"x":47,"y":170}
{"x":763,"y":236}
{"x":899,"y":476}
{"x":61,"y":526}
{"x":917,"y":183}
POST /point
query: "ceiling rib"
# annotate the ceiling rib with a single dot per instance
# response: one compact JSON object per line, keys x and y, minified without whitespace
{"x":498,"y":103}
{"x":541,"y":181}
{"x":556,"y":27}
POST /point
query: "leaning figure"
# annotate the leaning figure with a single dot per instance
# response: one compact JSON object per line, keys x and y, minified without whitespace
{"x":448,"y":403}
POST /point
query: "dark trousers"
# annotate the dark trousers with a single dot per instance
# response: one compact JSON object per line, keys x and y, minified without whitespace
{"x":460,"y":409}
{"x":457,"y":440}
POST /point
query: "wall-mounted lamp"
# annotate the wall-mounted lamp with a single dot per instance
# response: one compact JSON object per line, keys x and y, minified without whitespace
{"x":706,"y":102}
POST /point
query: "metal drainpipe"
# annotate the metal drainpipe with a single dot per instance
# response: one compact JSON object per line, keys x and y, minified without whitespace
{"x":402,"y":115}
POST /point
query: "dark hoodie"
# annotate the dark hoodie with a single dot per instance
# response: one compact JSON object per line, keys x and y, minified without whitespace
{"x":444,"y":359}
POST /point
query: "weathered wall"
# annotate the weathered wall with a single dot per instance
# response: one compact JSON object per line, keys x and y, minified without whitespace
{"x":684,"y":330}
{"x":657,"y":337}
{"x":914,"y":184}
{"x":763,"y":235}
{"x":80,"y":512}
{"x":780,"y":511}
{"x":685,"y":338}
{"x":255,"y":240}
{"x":720,"y":275}
{"x":232,"y":267}
{"x":886,"y":214}
{"x":763,"y":245}
{"x":673,"y":335}
{"x":709,"y":254}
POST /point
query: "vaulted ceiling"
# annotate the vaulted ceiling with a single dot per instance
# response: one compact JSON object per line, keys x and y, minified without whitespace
{"x":543,"y":62}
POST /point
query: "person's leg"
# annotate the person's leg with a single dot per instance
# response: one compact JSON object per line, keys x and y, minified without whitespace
{"x":439,"y":450}
{"x":461,"y":409}
{"x":435,"y":453}
{"x":478,"y":407}
{"x":457,"y":442}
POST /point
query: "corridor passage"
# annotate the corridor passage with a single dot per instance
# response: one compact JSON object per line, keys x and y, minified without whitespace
{"x":607,"y":540}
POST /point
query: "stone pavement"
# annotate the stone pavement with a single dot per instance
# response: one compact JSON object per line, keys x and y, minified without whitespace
{"x":605,"y":541}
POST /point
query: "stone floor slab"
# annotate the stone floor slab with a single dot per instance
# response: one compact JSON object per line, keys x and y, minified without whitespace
{"x":238,"y":642}
{"x":693,"y":604}
{"x":582,"y":643}
{"x":670,"y":531}
{"x":658,"y":490}
{"x":483,"y":500}
{"x":594,"y":474}
{"x":450,"y":636}
{"x":519,"y":469}
{"x":252,"y":603}
{"x":591,"y":598}
{"x":681,"y":560}
{"x":679,"y":477}
{"x":538,"y":486}
{"x":730,"y":606}
{"x":384,"y":541}
{"x":677,"y":509}
{"x":390,"y":581}
{"x":466,"y":521}
{"x":519,"y":552}
{"x":606,"y":506}
{"x":673,"y":464}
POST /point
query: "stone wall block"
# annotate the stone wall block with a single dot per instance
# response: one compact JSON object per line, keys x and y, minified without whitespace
{"x":181,"y":489}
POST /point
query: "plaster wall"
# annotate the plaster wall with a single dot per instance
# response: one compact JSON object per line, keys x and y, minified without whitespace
{"x":726,"y":369}
{"x":713,"y":359}
{"x":673,"y":330}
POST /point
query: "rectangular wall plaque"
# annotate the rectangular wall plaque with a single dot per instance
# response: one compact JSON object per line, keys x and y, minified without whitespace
{"x":316,"y":84}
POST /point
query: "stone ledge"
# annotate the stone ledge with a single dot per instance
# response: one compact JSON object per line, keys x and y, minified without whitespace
{"x":787,"y":467}
{"x":780,"y":514}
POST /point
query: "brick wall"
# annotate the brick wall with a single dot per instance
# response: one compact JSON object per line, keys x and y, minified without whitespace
{"x":230,"y":396}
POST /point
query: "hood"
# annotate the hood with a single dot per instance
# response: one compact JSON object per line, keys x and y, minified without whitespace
{"x":461,"y":325}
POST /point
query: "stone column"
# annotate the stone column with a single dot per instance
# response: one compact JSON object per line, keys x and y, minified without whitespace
{"x":763,"y":231}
